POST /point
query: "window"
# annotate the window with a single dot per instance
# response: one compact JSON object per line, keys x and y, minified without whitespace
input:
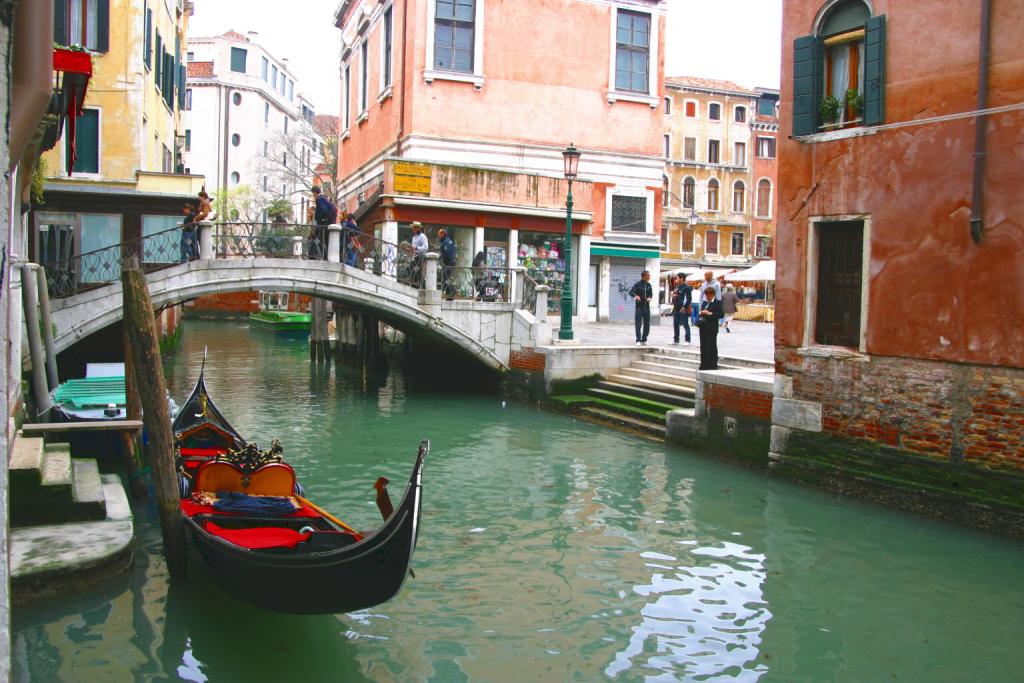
{"x":712,"y":195}
{"x":156,"y":248}
{"x":668,"y":106}
{"x":286,"y":124}
{"x":82,"y":22}
{"x":282,"y":83}
{"x":236,"y":140}
{"x":739,"y":154}
{"x":266,"y":112}
{"x":364,"y":71}
{"x":238,"y":56}
{"x":667,"y":145}
{"x":840,"y":256}
{"x":87,"y":143}
{"x":190,"y":56}
{"x":664,"y":192}
{"x":713,"y":146}
{"x":632,"y":50}
{"x":273,"y":76}
{"x":764,"y":198}
{"x":187,"y":105}
{"x":740,"y":114}
{"x":347,"y":97}
{"x":453,"y":35}
{"x":766,"y":106}
{"x":264,"y":68}
{"x":689,"y":192}
{"x":188,"y":140}
{"x":715,"y":111}
{"x":629,"y":214}
{"x":236,"y":99}
{"x":690,"y":149}
{"x":763,"y":246}
{"x":388,"y":29}
{"x":147,"y":52}
{"x":839,"y":72}
{"x":736,"y":247}
{"x":159,"y":57}
{"x":168,"y":160}
{"x":690,"y":109}
{"x":739,"y":192}
{"x":235,"y":178}
{"x":686,"y":242}
{"x":291,"y":89}
{"x":711,"y":242}
{"x":766,"y":148}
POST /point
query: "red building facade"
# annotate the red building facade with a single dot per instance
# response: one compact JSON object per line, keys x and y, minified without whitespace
{"x":901,"y":259}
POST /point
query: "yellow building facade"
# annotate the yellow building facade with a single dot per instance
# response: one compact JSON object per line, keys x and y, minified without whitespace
{"x":708,"y":181}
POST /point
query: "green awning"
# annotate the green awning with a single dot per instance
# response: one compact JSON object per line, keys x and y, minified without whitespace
{"x":622,"y":250}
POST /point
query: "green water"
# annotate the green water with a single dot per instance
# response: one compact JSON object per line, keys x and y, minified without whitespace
{"x":551,"y":550}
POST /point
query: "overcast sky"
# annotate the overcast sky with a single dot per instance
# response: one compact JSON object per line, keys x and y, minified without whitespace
{"x":735,"y":40}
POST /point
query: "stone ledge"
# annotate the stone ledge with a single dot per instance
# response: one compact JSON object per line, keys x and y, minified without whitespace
{"x":788,"y":412}
{"x":741,"y":379}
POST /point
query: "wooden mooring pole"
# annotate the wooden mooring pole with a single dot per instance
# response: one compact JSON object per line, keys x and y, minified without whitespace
{"x":149,"y":378}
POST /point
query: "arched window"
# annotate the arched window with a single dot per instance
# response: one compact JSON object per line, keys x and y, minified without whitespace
{"x":664,"y":191}
{"x":712,"y":195}
{"x":764,"y":198}
{"x":235,"y":178}
{"x":739,"y":192}
{"x":236,"y":140}
{"x":715,"y":111}
{"x":689,"y":192}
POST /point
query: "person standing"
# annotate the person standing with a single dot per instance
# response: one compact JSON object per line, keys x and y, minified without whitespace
{"x":710,"y":281}
{"x":696,"y":296}
{"x":324,"y":214}
{"x":418,"y":247}
{"x":642,"y":293}
{"x":710,"y":314}
{"x":350,"y":241}
{"x":728,"y":306}
{"x":479,"y":264}
{"x":189,"y":246}
{"x":447,"y":264}
{"x":681,"y":305}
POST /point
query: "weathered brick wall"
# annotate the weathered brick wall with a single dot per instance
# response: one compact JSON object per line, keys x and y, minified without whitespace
{"x":740,"y":401}
{"x":527,"y":360}
{"x":951,"y":412}
{"x":241,"y":302}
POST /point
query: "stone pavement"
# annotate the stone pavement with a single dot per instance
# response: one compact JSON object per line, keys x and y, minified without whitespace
{"x":747,"y":340}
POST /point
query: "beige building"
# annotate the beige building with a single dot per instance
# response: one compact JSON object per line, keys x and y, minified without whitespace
{"x":708,"y":149}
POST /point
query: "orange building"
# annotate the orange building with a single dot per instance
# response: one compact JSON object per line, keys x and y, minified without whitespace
{"x":900,"y":257}
{"x":451,"y":115}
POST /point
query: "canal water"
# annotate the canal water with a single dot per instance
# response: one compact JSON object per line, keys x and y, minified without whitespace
{"x":551,"y":550}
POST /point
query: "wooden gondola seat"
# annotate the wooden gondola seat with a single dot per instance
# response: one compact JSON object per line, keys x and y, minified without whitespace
{"x":273,"y":479}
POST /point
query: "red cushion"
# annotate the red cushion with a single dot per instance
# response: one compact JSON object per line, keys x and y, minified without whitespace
{"x":259,"y":537}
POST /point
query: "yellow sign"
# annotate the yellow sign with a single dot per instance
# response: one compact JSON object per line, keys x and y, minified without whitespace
{"x":408,"y":183}
{"x":421,"y":170}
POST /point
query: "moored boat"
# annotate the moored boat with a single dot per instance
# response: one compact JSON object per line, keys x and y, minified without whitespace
{"x":100,"y":395}
{"x":267,"y":545}
{"x":273,"y":314}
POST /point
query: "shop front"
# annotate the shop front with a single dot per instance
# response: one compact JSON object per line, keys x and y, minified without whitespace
{"x":619,"y":267}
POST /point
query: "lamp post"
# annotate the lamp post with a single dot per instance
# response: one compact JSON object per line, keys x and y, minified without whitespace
{"x":571,"y":155}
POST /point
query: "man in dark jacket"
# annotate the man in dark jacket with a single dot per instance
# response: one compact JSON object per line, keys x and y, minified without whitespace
{"x":710,"y":314}
{"x":324,"y":214}
{"x":681,"y":301}
{"x":642,"y":293}
{"x":447,"y":264}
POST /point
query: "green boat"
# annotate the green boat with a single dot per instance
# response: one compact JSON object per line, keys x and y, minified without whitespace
{"x":273,"y":314}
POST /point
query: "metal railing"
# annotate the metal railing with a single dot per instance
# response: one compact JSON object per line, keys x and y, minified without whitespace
{"x":269,"y":240}
{"x":528,"y":300}
{"x":395,"y":261}
{"x":475,"y":284}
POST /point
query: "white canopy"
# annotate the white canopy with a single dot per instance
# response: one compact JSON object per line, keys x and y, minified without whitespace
{"x":716,"y":273}
{"x":760,"y":272}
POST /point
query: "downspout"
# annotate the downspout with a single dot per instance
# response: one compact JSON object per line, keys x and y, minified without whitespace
{"x":980,"y":126}
{"x":32,"y":75}
{"x":226,"y":93}
{"x":401,"y":100}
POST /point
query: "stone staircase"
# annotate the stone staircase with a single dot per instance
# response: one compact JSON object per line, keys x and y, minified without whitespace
{"x":639,"y":395}
{"x":70,"y":524}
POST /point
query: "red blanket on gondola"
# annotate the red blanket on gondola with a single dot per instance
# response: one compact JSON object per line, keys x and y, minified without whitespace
{"x":259,"y":537}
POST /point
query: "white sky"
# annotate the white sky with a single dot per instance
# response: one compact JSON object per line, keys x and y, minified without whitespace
{"x":735,"y":40}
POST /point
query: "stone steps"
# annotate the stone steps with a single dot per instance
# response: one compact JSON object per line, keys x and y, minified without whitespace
{"x":663,"y":379}
{"x":684,"y":371}
{"x":630,"y":400}
{"x":676,"y":400}
{"x":48,"y":486}
{"x":631,"y":422}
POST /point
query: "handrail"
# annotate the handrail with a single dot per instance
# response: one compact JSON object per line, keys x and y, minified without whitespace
{"x":528,"y":302}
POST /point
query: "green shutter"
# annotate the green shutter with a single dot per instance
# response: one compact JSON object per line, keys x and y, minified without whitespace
{"x":807,"y":70}
{"x":147,"y":56}
{"x":102,"y":25}
{"x":182,"y":78}
{"x":60,"y":22}
{"x":874,"y":71}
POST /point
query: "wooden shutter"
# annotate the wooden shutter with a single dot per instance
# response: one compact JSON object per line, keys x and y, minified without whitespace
{"x":102,"y":25}
{"x":60,"y":22}
{"x":181,"y":86}
{"x":148,"y":54}
{"x":807,"y":75}
{"x":874,"y":71}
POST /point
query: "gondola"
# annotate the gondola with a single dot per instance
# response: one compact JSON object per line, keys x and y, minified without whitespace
{"x":303,"y":561}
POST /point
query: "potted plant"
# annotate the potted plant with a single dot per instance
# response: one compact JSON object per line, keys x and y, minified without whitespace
{"x":829,"y":110}
{"x":854,"y":103}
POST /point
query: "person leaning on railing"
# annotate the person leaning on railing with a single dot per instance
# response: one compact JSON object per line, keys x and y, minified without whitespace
{"x":189,"y":250}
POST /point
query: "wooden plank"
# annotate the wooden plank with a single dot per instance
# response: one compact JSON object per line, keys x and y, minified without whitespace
{"x":37,"y":428}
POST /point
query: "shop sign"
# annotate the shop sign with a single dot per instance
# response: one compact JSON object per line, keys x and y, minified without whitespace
{"x":412,"y":177}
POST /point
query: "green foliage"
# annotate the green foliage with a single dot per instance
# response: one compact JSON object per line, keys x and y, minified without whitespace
{"x":38,"y":181}
{"x":855,"y":101}
{"x":829,"y":109}
{"x":279,"y":210}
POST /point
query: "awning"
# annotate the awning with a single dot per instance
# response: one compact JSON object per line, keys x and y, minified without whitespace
{"x":715,"y":274}
{"x":761,"y":272}
{"x":73,"y":69}
{"x":624,"y":250}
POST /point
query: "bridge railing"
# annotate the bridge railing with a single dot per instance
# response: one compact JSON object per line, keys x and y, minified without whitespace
{"x":528,"y":301}
{"x":475,"y":284}
{"x":394,"y":261}
{"x":241,"y":240}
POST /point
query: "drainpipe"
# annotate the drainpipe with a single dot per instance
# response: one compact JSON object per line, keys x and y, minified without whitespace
{"x":980,"y":126}
{"x":401,"y":101}
{"x":33,"y":73}
{"x":226,"y":94}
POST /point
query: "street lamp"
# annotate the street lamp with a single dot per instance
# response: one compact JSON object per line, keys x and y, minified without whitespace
{"x":692,"y":218}
{"x":571,"y":155}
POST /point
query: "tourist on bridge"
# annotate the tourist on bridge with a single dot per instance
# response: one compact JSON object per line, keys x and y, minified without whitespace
{"x":710,"y":314}
{"x":728,"y":306}
{"x":642,"y":293}
{"x":418,"y":247}
{"x":324,"y":214}
{"x":681,"y":305}
{"x":447,"y":264}
{"x":189,"y":247}
{"x":350,"y":241}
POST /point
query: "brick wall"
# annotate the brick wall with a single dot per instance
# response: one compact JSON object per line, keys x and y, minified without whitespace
{"x":242,"y":302}
{"x":739,"y":401}
{"x":527,"y":360}
{"x":944,"y":411}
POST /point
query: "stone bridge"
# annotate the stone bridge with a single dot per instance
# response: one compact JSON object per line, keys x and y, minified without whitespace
{"x":486,"y":331}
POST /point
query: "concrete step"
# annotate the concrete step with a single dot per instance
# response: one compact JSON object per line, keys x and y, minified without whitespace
{"x":631,"y":400}
{"x":671,"y":398}
{"x":657,"y":376}
{"x":653,"y":385}
{"x":26,"y":465}
{"x":57,"y":465}
{"x":666,"y":368}
{"x":615,"y":418}
{"x":681,"y":360}
{"x":87,"y":491}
